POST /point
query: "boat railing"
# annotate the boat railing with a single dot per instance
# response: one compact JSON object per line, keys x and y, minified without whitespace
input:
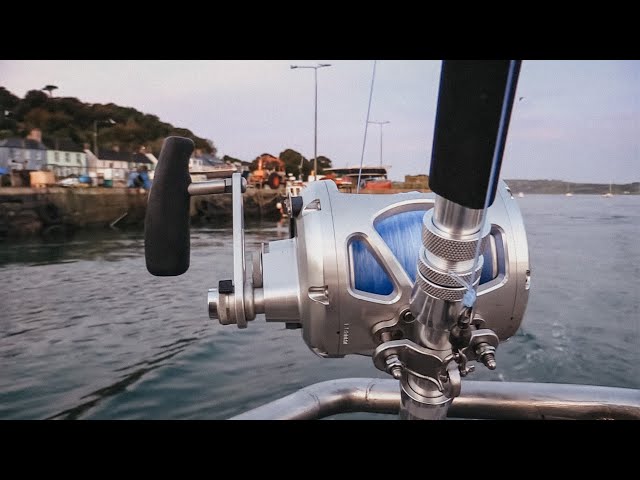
{"x":478,"y":400}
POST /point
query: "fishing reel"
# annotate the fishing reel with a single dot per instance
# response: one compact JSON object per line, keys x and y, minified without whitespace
{"x":424,"y":283}
{"x":346,"y":275}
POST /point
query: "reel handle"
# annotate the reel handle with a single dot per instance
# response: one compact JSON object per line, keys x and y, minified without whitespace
{"x":166,"y":225}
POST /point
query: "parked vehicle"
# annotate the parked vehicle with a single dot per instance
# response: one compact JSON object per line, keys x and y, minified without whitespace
{"x":270,"y":171}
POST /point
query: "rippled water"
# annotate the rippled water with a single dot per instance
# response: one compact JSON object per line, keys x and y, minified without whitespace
{"x":86,"y":332}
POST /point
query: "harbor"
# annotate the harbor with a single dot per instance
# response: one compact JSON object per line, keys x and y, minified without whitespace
{"x":56,"y":212}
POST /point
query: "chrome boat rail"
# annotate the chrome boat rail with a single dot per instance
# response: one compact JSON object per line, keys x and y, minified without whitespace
{"x":478,"y":400}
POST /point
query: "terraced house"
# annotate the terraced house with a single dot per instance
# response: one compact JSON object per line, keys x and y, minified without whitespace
{"x":23,"y":153}
{"x":66,"y":158}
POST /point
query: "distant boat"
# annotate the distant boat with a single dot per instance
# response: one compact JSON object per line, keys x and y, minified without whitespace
{"x":521,"y":194}
{"x":569,"y":192}
{"x":608,"y":194}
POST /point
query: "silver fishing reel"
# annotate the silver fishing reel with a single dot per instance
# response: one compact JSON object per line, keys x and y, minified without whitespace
{"x":346,"y":275}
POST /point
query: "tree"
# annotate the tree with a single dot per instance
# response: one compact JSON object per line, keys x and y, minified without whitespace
{"x":8,"y":123}
{"x":295,"y":163}
{"x":33,"y":99}
{"x":50,"y":88}
{"x":323,"y":162}
{"x":7,"y":99}
{"x":212,"y":147}
{"x":70,"y":118}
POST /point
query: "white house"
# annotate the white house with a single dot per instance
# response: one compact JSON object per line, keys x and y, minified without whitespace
{"x":116,"y":165}
{"x":67,"y":159}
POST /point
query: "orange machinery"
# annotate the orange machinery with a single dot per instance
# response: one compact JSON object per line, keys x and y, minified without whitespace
{"x":270,"y":171}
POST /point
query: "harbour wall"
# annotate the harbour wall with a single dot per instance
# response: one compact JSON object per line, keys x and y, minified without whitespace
{"x":58,"y":211}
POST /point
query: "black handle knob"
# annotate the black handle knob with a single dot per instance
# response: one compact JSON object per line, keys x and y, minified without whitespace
{"x":470,"y":107}
{"x":166,"y":225}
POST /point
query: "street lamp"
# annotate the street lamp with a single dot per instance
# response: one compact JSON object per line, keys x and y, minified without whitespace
{"x":315,"y":129}
{"x":381,"y":124}
{"x":95,"y":133}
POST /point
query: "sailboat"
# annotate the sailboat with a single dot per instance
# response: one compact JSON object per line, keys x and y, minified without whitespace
{"x":608,"y":194}
{"x":569,"y":192}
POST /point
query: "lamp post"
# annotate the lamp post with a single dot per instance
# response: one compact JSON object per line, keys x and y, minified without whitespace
{"x":95,"y":133}
{"x":315,"y":129}
{"x":381,"y":124}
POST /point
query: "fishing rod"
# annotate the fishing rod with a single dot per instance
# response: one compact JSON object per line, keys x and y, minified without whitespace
{"x":425,"y":284}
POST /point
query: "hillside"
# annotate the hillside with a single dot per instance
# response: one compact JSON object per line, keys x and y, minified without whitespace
{"x":67,"y":118}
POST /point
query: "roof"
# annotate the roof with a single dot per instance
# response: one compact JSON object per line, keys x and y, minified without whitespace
{"x":64,"y":145}
{"x":113,"y":155}
{"x":141,"y":158}
{"x":16,"y":142}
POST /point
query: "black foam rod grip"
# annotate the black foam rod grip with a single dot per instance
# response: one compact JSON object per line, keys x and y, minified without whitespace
{"x":166,"y":225}
{"x":467,"y":128}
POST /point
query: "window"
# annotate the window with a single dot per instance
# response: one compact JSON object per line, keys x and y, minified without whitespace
{"x":56,"y":156}
{"x":66,"y":157}
{"x":79,"y":159}
{"x":110,"y":164}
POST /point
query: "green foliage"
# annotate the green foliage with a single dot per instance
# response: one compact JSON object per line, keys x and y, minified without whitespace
{"x":7,"y":99}
{"x":323,"y":162}
{"x":297,"y":164}
{"x":69,"y":118}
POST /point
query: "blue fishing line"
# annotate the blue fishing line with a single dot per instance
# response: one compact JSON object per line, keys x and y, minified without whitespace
{"x":403,"y":235}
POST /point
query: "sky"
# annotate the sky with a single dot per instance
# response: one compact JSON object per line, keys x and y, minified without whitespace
{"x":578,"y":121}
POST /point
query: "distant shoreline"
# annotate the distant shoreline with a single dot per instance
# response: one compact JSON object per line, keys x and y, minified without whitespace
{"x":559,"y":187}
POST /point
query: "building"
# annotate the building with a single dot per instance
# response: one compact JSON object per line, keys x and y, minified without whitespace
{"x":23,"y":153}
{"x":201,"y":161}
{"x":66,"y":158}
{"x":196,"y":164}
{"x":116,"y":165}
